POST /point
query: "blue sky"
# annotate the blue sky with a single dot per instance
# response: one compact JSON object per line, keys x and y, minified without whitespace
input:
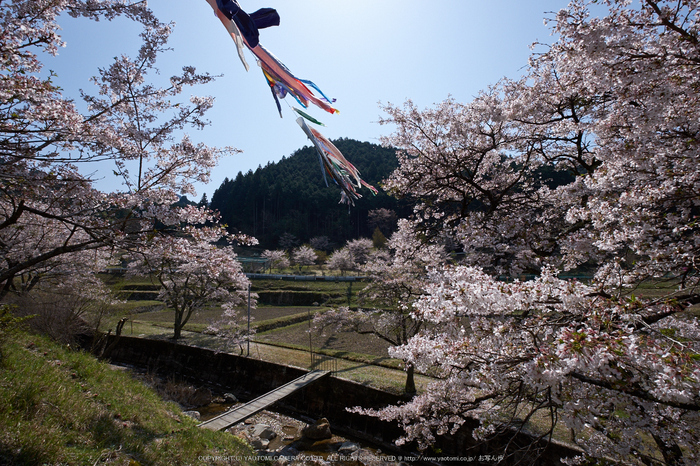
{"x":360,"y":52}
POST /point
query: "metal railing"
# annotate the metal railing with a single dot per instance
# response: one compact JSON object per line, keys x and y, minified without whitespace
{"x":306,"y":278}
{"x":324,"y":363}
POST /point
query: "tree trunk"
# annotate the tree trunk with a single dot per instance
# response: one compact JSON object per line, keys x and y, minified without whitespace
{"x":177,"y":327}
{"x":410,"y":387}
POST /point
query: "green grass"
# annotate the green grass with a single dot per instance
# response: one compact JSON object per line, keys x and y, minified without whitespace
{"x":305,"y":285}
{"x":380,"y":377}
{"x":379,"y":372}
{"x":274,"y":324}
{"x":335,"y":293}
{"x":201,"y":320}
{"x":61,"y":406}
{"x":284,"y":321}
{"x":657,"y":289}
{"x":363,"y":358}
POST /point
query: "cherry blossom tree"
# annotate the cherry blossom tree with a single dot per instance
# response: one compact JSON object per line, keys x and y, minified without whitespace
{"x":304,"y":256}
{"x":288,"y":241}
{"x":48,"y":208}
{"x":229,"y":327}
{"x":587,"y":163}
{"x":360,"y":249}
{"x":321,"y":243}
{"x":396,"y":279}
{"x":384,"y":219}
{"x":192,"y":272}
{"x":278,"y":259}
{"x":65,"y":304}
{"x":342,"y":260}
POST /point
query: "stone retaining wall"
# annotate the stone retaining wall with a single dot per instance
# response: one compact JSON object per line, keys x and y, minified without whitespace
{"x":248,"y":378}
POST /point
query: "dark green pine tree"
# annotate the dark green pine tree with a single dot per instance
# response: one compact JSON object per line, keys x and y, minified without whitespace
{"x":290,"y":196}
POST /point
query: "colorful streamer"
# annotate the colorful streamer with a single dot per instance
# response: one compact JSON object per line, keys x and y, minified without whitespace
{"x":336,"y":166}
{"x":279,"y":76}
{"x":233,"y":32}
{"x":282,"y":83}
{"x":308,"y":117}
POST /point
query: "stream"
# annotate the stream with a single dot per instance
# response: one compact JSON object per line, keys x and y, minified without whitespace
{"x":279,"y":438}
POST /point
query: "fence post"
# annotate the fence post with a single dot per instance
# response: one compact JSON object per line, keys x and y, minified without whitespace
{"x":248,"y":335}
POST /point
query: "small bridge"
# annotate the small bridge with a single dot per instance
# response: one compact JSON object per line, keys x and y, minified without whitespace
{"x":243,"y":412}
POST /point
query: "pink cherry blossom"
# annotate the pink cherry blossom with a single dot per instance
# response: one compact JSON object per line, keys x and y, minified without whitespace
{"x":50,"y":212}
{"x":588,"y":163}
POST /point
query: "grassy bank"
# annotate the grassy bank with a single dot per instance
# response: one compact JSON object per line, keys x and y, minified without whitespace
{"x":60,"y":406}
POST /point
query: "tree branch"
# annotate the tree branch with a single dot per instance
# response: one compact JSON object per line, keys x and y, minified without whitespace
{"x":635,"y":393}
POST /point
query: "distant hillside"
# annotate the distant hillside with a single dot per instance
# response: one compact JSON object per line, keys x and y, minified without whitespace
{"x":290,"y":197}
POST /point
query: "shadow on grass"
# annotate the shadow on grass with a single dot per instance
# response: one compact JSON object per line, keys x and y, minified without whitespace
{"x":25,"y":455}
{"x":113,"y":433}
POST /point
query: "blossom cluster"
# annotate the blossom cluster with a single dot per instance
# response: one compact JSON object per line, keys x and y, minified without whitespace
{"x":587,"y":164}
{"x":55,"y":226}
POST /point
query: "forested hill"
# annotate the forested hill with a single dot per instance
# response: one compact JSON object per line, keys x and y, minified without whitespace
{"x":290,"y":196}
